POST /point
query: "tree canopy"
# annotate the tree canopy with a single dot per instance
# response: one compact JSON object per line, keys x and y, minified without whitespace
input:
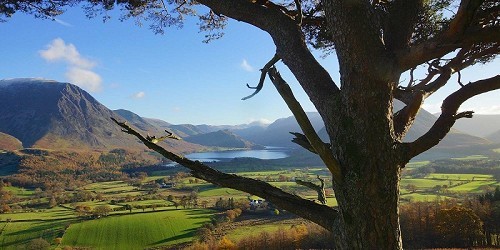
{"x":376,"y":43}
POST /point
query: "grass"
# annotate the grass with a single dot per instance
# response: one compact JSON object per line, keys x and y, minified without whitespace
{"x":471,"y":157}
{"x":110,"y":187}
{"x":242,"y":232}
{"x":137,"y":231}
{"x":460,"y":177}
{"x":423,"y":197}
{"x":19,"y":191}
{"x":166,"y":226}
{"x":473,"y":187}
{"x":423,"y":183}
{"x":17,"y":234}
{"x":417,"y":164}
{"x":57,"y":213}
{"x":221,"y":192}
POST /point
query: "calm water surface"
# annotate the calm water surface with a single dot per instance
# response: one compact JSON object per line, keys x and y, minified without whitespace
{"x":264,"y":154}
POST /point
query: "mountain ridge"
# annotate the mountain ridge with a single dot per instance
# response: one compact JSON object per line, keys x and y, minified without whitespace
{"x":66,"y":116}
{"x":56,"y":115}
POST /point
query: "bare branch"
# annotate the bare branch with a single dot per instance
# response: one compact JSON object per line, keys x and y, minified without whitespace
{"x":449,"y":114}
{"x":320,"y":189}
{"x":319,"y":146}
{"x":322,"y":215}
{"x":299,"y":16}
{"x":263,"y":73}
{"x":169,"y":135}
{"x":413,"y":96}
{"x":291,"y":47}
{"x":459,"y":33}
{"x":302,"y":141}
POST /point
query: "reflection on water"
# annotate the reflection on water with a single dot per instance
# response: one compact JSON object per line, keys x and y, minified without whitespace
{"x":265,"y":154}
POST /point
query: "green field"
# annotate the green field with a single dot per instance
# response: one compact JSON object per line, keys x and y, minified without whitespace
{"x":473,"y":187}
{"x":17,"y":234}
{"x":154,"y":222}
{"x":137,"y":231}
{"x":221,"y":192}
{"x":417,"y":164}
{"x":57,"y":213}
{"x":422,"y":197}
{"x":423,"y":183}
{"x":471,"y":157}
{"x":462,"y":177}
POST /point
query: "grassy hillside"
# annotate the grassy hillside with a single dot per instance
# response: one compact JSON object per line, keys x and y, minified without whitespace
{"x":9,"y":143}
{"x":137,"y":231}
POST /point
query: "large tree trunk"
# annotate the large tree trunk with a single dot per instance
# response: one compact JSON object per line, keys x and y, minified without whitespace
{"x":362,"y":139}
{"x":369,"y":210}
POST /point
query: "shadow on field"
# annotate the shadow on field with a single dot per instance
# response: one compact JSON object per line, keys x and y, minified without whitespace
{"x":198,"y":212}
{"x":187,"y":234}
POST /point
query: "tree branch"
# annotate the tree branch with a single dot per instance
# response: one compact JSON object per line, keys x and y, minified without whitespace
{"x":319,"y":146}
{"x":404,"y":118}
{"x":449,"y":115}
{"x":320,"y":214}
{"x":290,"y":46}
{"x":415,"y":95}
{"x":263,"y":74}
{"x":402,"y":15}
{"x":459,"y":33}
{"x":320,"y":189}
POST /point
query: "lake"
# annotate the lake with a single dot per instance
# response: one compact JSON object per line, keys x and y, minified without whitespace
{"x":265,"y":154}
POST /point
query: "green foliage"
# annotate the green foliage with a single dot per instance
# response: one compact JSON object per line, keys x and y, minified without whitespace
{"x":38,"y":244}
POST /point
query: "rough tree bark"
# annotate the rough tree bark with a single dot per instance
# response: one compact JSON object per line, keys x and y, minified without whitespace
{"x":365,"y":153}
{"x":375,"y":43}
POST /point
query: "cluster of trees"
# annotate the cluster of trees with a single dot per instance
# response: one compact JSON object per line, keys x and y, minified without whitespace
{"x":187,"y":201}
{"x":6,"y":197}
{"x":475,"y":222}
{"x":222,"y":204}
{"x":209,"y":232}
{"x":450,"y":166}
{"x":96,"y":212}
{"x":301,"y":236}
{"x":70,"y":170}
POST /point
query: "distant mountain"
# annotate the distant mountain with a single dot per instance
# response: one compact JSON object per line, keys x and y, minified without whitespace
{"x":9,"y":143}
{"x":494,"y":137}
{"x":221,"y":138}
{"x":161,"y":124}
{"x":487,"y":126}
{"x":479,"y":125}
{"x":157,"y":128}
{"x":136,"y":120}
{"x":49,"y":114}
{"x":455,"y":138}
{"x":277,"y":133}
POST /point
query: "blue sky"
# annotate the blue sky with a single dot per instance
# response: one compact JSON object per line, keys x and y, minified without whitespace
{"x":174,"y":77}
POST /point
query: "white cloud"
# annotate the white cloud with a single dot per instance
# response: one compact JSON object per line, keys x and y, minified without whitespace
{"x":84,"y":78}
{"x":176,"y":109}
{"x":79,"y":68}
{"x":261,"y":121}
{"x":58,"y":50}
{"x":139,"y":95}
{"x":246,"y":66}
